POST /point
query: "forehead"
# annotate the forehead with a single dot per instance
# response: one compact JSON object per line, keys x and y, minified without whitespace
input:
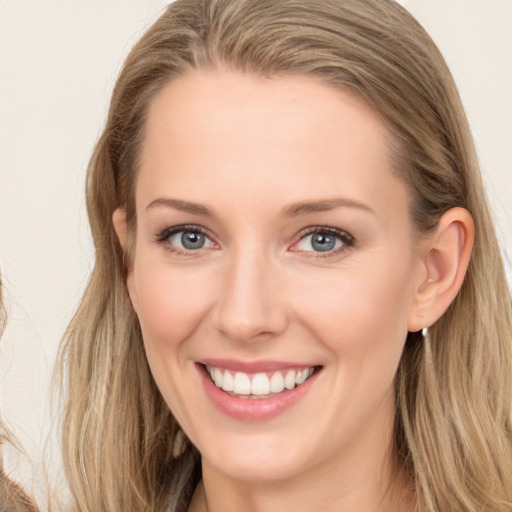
{"x":289,"y":107}
{"x":212,"y":128}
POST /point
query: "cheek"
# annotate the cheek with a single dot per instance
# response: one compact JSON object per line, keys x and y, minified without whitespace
{"x":170,"y":303}
{"x":361,"y":316}
{"x":171,"y":308}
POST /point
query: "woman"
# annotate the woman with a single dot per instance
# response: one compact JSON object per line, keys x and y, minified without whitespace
{"x":298,"y":296}
{"x":12,"y":498}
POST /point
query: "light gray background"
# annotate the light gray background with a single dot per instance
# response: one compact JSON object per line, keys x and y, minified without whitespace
{"x":58,"y":62}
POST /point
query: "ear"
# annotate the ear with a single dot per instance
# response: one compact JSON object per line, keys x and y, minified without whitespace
{"x":121,"y":228}
{"x":444,"y":259}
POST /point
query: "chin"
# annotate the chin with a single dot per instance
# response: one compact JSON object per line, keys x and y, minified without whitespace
{"x":257,"y":460}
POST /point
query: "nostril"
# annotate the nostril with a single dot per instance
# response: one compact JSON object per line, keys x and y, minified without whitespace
{"x":249,"y":308}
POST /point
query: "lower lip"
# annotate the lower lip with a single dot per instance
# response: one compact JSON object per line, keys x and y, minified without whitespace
{"x":253,"y":410}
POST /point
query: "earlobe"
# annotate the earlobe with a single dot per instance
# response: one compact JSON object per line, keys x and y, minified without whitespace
{"x":445,"y":259}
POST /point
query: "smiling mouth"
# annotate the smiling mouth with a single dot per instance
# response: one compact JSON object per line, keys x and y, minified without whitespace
{"x":259,"y":385}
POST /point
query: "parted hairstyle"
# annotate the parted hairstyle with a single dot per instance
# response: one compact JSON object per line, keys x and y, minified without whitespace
{"x":122,"y":447}
{"x":12,"y":497}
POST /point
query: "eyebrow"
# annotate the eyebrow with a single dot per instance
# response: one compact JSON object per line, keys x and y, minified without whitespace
{"x":293,"y":210}
{"x":307,"y":207}
{"x":183,"y":206}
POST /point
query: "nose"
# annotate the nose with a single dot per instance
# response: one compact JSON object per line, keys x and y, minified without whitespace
{"x":250,"y":303}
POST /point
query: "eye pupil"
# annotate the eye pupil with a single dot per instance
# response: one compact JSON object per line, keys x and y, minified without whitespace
{"x":192,"y":240}
{"x":322,"y":242}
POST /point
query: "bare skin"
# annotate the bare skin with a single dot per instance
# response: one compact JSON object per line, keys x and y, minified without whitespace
{"x":298,"y":249}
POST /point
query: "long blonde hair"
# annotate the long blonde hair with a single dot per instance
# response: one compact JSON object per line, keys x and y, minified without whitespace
{"x":12,"y":497}
{"x":453,"y":412}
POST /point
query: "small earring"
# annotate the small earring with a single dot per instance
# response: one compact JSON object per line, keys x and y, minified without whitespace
{"x":424,"y":332}
{"x":180,"y":444}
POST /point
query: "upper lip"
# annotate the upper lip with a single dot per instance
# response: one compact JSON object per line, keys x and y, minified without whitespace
{"x":253,"y":366}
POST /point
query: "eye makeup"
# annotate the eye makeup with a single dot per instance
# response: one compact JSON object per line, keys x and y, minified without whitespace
{"x":323,"y":241}
{"x":185,"y":239}
{"x":314,"y":241}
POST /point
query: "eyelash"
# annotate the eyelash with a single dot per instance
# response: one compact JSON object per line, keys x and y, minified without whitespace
{"x":164,"y":236}
{"x":346,"y":239}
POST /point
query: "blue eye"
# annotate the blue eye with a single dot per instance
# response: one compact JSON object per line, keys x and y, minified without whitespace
{"x":322,"y":243}
{"x":189,"y":240}
{"x":324,"y":240}
{"x":182,"y":239}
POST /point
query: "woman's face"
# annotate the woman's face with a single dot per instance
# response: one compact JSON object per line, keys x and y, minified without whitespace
{"x":273,"y":245}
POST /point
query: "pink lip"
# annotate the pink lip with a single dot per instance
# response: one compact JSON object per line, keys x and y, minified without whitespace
{"x":247,"y":409}
{"x":252,"y":366}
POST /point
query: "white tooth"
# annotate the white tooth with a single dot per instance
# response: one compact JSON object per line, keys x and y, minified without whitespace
{"x":260,"y":384}
{"x":289,"y":380}
{"x":310,"y":372}
{"x":242,"y":384}
{"x":277,"y":382}
{"x":227,"y":381}
{"x":302,"y":375}
{"x":217,"y":377}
